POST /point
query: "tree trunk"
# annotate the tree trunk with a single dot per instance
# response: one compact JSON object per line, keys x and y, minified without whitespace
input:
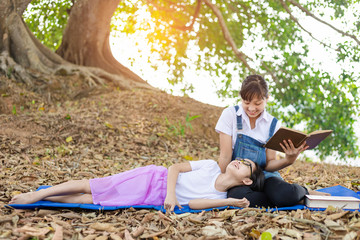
{"x":86,"y":37}
{"x":21,"y":54}
{"x":24,"y":59}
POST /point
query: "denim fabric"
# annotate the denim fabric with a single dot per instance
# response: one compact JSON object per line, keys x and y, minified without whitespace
{"x":247,"y":147}
{"x":277,"y":192}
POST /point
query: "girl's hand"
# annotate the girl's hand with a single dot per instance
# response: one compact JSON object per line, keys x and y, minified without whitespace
{"x":170,"y":203}
{"x":235,"y":202}
{"x":291,"y":151}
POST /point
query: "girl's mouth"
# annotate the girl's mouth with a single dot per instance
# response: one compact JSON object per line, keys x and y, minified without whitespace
{"x":252,"y":113}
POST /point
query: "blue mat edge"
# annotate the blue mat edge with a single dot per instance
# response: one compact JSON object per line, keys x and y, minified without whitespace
{"x":337,"y":190}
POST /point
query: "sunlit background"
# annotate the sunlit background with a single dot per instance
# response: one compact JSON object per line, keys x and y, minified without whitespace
{"x":133,"y":52}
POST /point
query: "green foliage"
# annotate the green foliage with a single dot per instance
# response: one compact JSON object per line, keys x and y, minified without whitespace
{"x":47,"y":20}
{"x":179,"y":129}
{"x":304,"y":91}
{"x":14,"y":110}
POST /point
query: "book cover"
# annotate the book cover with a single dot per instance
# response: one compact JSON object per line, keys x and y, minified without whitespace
{"x":297,"y":137}
{"x":320,"y":201}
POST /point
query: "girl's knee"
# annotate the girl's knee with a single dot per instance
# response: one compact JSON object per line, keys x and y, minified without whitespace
{"x":83,"y":185}
{"x":86,"y":199}
{"x":287,"y":195}
{"x":282,"y":194}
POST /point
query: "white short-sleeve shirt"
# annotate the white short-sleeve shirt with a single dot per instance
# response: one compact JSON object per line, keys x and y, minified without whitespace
{"x":227,"y":124}
{"x":199,"y":183}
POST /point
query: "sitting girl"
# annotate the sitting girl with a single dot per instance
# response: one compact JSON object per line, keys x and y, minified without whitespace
{"x":200,"y":184}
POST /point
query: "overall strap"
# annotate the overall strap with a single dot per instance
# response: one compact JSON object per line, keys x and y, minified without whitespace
{"x":272,"y":128}
{"x":238,"y":120}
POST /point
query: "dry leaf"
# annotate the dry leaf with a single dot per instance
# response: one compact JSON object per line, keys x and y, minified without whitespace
{"x":103,"y":227}
{"x":153,"y":235}
{"x":293,"y":233}
{"x":34,"y":232}
{"x":148,"y":217}
{"x":127,"y":235}
{"x":351,"y":236}
{"x":255,"y":233}
{"x":355,"y":225}
{"x":58,"y":235}
{"x":272,"y":231}
{"x":227,"y":213}
{"x":138,"y":231}
{"x":311,"y":236}
{"x":6,"y":234}
{"x":213,"y":231}
{"x":114,"y":236}
{"x":336,"y":215}
{"x":90,"y":237}
{"x":101,"y":238}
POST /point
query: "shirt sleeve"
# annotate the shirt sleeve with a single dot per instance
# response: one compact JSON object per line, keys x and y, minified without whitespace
{"x":225,"y":122}
{"x":195,"y":165}
{"x":278,"y":125}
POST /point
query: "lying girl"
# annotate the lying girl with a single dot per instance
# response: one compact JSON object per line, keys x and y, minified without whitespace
{"x":197,"y":183}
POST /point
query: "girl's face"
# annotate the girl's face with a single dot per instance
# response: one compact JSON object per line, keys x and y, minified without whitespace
{"x":254,"y":107}
{"x":241,"y":169}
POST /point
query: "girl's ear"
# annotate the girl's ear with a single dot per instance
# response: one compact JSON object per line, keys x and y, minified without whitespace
{"x":247,"y":181}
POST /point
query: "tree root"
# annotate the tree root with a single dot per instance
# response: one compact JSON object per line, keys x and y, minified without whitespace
{"x":27,"y":61}
{"x":12,"y":70}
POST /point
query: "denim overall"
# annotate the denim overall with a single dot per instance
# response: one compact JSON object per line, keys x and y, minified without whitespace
{"x":248,"y":147}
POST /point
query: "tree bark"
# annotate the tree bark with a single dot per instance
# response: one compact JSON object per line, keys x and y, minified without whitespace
{"x":86,"y":37}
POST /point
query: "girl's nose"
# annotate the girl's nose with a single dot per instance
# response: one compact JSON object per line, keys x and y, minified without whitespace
{"x":251,"y":108}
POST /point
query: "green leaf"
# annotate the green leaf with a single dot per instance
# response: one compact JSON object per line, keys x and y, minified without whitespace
{"x":266,"y":236}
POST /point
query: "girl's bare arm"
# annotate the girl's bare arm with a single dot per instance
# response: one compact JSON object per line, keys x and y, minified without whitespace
{"x":291,"y":154}
{"x":173,"y":173}
{"x":225,"y":151}
{"x":210,"y":203}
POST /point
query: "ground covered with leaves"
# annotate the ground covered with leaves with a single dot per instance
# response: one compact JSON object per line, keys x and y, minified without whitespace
{"x":47,"y":141}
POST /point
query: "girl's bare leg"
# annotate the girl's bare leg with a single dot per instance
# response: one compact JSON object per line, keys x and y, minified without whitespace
{"x":66,"y":188}
{"x":73,"y":198}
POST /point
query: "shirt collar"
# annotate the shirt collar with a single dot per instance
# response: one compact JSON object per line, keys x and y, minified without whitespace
{"x":264,"y":115}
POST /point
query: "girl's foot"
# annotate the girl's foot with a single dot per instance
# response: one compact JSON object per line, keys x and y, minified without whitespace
{"x":25,"y":198}
{"x":312,"y":192}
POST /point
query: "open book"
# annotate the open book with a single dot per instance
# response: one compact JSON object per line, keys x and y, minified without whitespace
{"x":319,"y":201}
{"x":297,"y":137}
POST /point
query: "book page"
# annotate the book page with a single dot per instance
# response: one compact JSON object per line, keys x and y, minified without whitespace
{"x":333,"y":198}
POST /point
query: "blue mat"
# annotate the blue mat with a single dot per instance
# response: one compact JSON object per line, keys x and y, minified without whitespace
{"x":335,"y":191}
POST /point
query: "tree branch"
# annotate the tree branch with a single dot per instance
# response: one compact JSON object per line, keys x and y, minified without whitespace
{"x":21,"y":6}
{"x":184,"y":27}
{"x":195,"y":16}
{"x":292,"y":17}
{"x":307,"y":12}
{"x":240,"y":55}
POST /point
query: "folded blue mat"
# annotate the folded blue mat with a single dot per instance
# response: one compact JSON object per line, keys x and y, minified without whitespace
{"x":335,"y":191}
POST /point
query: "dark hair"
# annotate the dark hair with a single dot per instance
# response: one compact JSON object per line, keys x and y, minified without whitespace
{"x":258,"y":179}
{"x":254,"y":86}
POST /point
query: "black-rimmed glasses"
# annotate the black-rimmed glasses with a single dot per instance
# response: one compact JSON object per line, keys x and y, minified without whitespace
{"x":246,"y":163}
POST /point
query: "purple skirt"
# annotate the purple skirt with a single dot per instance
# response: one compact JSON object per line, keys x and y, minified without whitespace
{"x":140,"y":186}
